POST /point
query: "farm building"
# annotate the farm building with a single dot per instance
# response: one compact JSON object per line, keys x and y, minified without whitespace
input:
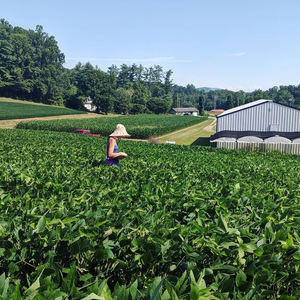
{"x":192,"y":111}
{"x":261,"y":121}
{"x":260,"y":115}
{"x":88,"y":104}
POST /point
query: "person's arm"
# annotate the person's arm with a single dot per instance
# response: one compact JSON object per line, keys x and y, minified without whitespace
{"x":111,"y":146}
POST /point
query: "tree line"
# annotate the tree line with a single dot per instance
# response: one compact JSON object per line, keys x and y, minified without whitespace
{"x":225,"y":99}
{"x":31,"y":68}
{"x":125,"y":89}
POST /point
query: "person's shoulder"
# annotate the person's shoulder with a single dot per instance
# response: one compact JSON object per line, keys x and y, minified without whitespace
{"x":111,"y":139}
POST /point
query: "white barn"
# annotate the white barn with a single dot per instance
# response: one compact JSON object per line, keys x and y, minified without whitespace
{"x":260,"y":115}
{"x":259,"y":122}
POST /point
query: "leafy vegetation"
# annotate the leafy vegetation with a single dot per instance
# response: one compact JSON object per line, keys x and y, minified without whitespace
{"x":15,"y":110}
{"x":139,"y":127}
{"x":173,"y":222}
{"x":31,"y":68}
{"x":31,"y":65}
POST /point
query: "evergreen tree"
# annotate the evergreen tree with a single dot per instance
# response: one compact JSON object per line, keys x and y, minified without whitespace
{"x":176,"y":102}
{"x":168,"y":82}
{"x":201,"y":106}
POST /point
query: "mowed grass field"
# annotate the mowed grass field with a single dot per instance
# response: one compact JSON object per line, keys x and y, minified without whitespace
{"x":194,"y":135}
{"x":14,"y":109}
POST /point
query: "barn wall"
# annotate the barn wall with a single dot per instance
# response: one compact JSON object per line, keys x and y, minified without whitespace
{"x":260,"y":147}
{"x":260,"y":118}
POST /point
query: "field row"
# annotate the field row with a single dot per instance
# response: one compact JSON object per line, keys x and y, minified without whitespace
{"x":15,"y":110}
{"x":172,"y":222}
{"x":139,"y":126}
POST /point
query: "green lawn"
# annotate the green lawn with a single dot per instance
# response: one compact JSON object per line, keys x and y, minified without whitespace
{"x":195,"y":135}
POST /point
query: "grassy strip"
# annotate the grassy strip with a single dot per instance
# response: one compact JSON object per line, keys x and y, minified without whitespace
{"x":11,"y":124}
{"x":189,"y":135}
{"x":8,"y":124}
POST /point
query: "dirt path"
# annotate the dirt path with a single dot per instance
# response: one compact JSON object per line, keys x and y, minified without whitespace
{"x":209,"y":128}
{"x":76,"y":116}
{"x":10,"y":124}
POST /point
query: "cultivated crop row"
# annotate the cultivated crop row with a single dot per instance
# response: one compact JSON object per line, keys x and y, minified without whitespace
{"x":172,"y":222}
{"x":140,"y":126}
{"x":15,"y":110}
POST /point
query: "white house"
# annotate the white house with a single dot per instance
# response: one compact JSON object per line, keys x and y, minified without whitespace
{"x":191,"y":111}
{"x":88,"y":104}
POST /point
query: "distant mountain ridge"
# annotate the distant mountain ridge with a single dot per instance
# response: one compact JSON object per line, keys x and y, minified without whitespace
{"x":207,"y":89}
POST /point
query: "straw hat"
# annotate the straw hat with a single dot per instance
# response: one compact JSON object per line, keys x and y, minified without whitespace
{"x":120,"y":131}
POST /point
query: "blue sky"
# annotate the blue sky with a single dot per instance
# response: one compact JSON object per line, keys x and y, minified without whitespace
{"x":218,"y":43}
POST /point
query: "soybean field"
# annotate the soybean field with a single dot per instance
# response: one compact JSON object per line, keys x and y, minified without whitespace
{"x":172,"y":222}
{"x":138,"y":126}
{"x":16,"y":110}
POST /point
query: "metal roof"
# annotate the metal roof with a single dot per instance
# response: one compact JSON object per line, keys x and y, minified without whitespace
{"x":244,"y":106}
{"x":250,"y":139}
{"x":277,"y":139}
{"x":185,"y":109}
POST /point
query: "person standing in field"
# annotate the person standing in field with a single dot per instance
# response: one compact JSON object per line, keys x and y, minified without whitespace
{"x":112,"y":154}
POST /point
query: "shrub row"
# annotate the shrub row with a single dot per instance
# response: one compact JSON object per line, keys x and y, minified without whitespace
{"x":139,"y":127}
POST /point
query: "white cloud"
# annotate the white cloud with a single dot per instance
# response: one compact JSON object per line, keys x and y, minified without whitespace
{"x":154,"y":59}
{"x":238,"y":54}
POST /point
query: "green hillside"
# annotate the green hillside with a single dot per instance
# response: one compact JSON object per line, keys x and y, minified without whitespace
{"x":10,"y":109}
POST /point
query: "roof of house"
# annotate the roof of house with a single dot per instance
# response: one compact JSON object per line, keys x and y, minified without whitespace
{"x":185,"y":109}
{"x":244,"y":106}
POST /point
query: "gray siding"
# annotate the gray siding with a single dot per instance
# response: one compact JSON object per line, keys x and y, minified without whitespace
{"x":263,"y":147}
{"x":260,"y":118}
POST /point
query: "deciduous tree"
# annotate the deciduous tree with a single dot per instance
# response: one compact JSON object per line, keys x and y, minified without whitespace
{"x":122,"y":101}
{"x":229,"y":103}
{"x":158,"y":105}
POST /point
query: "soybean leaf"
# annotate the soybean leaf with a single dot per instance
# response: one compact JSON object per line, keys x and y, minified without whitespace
{"x":157,"y":290}
{"x":41,"y":224}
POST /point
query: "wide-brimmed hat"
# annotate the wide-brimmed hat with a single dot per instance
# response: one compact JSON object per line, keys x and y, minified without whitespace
{"x":120,"y":131}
